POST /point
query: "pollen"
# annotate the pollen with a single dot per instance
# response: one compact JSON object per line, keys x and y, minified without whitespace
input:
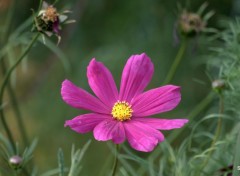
{"x":122,"y":111}
{"x":51,"y":14}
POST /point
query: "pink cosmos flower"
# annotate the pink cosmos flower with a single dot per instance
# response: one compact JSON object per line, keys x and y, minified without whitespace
{"x":122,"y":115}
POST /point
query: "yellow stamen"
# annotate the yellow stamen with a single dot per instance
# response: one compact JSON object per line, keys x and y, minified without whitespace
{"x":122,"y":111}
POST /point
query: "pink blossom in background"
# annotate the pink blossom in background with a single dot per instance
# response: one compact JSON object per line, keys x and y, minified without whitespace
{"x":124,"y":114}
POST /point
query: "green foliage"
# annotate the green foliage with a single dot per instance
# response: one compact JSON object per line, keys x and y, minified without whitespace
{"x":6,"y":153}
{"x":236,"y":165}
{"x":76,"y":162}
{"x":189,"y":157}
{"x":112,"y":31}
{"x":76,"y":158}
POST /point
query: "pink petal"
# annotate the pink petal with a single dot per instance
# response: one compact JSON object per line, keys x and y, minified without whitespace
{"x":110,"y":129}
{"x":155,"y":101}
{"x":136,"y":75}
{"x":81,"y":99}
{"x":141,"y":136}
{"x":102,"y":83}
{"x":162,"y":124}
{"x":86,"y":122}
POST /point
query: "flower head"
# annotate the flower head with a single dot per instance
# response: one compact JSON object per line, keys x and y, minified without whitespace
{"x":124,"y":114}
{"x":48,"y":20}
{"x":190,"y":24}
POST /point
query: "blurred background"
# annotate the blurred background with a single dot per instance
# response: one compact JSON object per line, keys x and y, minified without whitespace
{"x":110,"y":31}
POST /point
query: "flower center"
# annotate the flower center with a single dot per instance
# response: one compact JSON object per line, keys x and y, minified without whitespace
{"x":122,"y":111}
{"x":51,"y":14}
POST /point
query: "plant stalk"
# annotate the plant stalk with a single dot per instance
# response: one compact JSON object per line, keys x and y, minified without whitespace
{"x":196,"y":111}
{"x":115,"y":160}
{"x":5,"y":83}
{"x":217,"y":132}
{"x":176,"y":62}
{"x":16,"y":109}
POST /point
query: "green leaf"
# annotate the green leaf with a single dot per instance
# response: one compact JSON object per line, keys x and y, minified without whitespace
{"x":202,"y":8}
{"x":61,"y":162}
{"x":53,"y":172}
{"x":76,"y":159}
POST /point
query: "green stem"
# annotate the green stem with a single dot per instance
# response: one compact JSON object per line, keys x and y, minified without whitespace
{"x":8,"y":132}
{"x":201,"y":106}
{"x":16,"y":109}
{"x":115,"y":161}
{"x":18,"y":115}
{"x":4,"y":84}
{"x":176,"y":62}
{"x":196,"y":110}
{"x":217,"y":132}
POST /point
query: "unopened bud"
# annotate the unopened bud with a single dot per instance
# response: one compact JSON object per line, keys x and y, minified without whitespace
{"x":15,"y":162}
{"x":218,"y":85}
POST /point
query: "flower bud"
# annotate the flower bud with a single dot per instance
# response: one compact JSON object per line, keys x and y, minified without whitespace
{"x":15,"y":162}
{"x":190,"y":24}
{"x":218,"y":85}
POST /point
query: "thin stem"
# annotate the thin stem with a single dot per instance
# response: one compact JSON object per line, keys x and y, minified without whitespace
{"x":8,"y":132}
{"x":6,"y":78}
{"x":201,"y":106}
{"x":115,"y":161}
{"x":4,"y":84}
{"x":196,"y":110}
{"x":217,"y":132}
{"x":16,"y":108}
{"x":18,"y":115}
{"x":176,"y":62}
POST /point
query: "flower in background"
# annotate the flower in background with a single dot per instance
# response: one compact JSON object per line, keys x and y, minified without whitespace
{"x":16,"y":162}
{"x":190,"y":24}
{"x":219,"y":85}
{"x":48,"y":21}
{"x":126,"y":114}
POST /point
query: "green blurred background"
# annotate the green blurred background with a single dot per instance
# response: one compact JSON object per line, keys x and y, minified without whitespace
{"x":109,"y":31}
